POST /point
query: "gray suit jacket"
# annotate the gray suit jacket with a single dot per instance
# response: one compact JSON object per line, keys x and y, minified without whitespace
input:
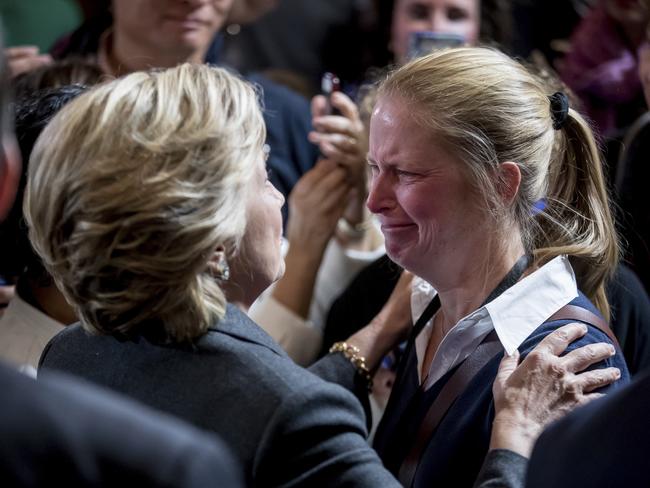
{"x":286,"y":425}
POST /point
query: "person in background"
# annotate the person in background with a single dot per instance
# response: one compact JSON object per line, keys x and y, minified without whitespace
{"x":631,"y":172}
{"x":601,"y":66}
{"x":141,"y":34}
{"x":38,"y":310}
{"x":491,"y":190}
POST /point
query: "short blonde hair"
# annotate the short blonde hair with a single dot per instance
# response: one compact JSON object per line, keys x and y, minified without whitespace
{"x":133,"y":186}
{"x":490,"y":109}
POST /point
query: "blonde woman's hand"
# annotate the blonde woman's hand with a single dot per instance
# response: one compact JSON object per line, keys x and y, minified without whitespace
{"x":545,"y":386}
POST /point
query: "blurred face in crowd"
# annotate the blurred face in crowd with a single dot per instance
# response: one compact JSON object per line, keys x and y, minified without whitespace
{"x":170,"y":26}
{"x":459,"y":17}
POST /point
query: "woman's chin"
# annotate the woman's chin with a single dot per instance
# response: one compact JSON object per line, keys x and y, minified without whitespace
{"x":281,"y":269}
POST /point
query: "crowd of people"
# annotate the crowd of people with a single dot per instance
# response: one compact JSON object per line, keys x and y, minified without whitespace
{"x":417,"y":278}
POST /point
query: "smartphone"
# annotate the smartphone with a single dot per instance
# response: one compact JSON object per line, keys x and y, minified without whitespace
{"x":425,"y":42}
{"x":329,"y":84}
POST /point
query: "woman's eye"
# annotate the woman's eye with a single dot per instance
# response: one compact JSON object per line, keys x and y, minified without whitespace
{"x":404,"y":174}
{"x":457,"y":14}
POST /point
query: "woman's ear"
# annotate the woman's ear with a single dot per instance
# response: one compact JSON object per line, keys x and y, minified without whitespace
{"x":218,"y":264}
{"x":509,"y":180}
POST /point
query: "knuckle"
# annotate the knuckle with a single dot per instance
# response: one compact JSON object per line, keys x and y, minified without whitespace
{"x":536,"y":358}
{"x":558,"y":369}
{"x":597,"y":378}
{"x":590,"y":352}
{"x":572,"y":387}
{"x":561,"y":335}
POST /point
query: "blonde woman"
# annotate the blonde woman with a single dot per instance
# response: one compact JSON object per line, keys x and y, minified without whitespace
{"x":491,"y":190}
{"x":149,"y":203}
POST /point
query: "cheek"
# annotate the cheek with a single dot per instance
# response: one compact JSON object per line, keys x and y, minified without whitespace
{"x":472,"y":33}
{"x":417,"y":201}
{"x":467,"y":29}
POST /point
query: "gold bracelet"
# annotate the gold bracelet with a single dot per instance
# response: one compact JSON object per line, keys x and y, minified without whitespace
{"x":353,"y":355}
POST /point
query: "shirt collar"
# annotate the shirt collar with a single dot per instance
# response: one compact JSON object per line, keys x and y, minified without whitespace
{"x":518,"y":311}
{"x":514,"y":314}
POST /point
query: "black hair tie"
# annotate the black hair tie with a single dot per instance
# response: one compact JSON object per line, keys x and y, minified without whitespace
{"x":559,"y":109}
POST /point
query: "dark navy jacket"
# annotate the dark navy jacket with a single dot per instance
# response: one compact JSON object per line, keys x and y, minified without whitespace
{"x":454,"y":455}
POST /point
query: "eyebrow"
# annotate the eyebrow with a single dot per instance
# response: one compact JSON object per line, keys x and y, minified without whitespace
{"x":396,"y":164}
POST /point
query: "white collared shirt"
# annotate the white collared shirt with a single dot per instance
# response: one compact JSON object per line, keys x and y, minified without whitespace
{"x":514,"y":315}
{"x":24,"y":333}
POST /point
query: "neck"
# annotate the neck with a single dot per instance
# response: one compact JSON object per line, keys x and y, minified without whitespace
{"x":121,"y":55}
{"x":238,"y":296}
{"x":472,"y":283}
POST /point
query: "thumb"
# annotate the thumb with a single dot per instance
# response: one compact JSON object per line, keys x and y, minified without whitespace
{"x":507,"y":366}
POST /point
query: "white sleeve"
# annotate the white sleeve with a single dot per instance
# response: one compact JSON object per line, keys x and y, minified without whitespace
{"x":298,"y":337}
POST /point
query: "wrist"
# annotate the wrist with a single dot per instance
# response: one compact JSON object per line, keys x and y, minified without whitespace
{"x":305,"y":255}
{"x":353,"y":354}
{"x":515,"y":434}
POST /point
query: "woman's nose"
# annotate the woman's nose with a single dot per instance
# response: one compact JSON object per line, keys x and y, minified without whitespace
{"x":439,"y":23}
{"x":379,"y":195}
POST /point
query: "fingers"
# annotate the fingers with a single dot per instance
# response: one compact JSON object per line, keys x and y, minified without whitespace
{"x":595,"y":379}
{"x":20,"y":52}
{"x":337,"y":146}
{"x":319,"y":187}
{"x":344,"y":105}
{"x":318,"y":106}
{"x":25,"y":58}
{"x":583,"y":357}
{"x":321,"y":168}
{"x":557,"y":341}
{"x":323,"y":178}
{"x":336,"y":124}
{"x":507,"y":366}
